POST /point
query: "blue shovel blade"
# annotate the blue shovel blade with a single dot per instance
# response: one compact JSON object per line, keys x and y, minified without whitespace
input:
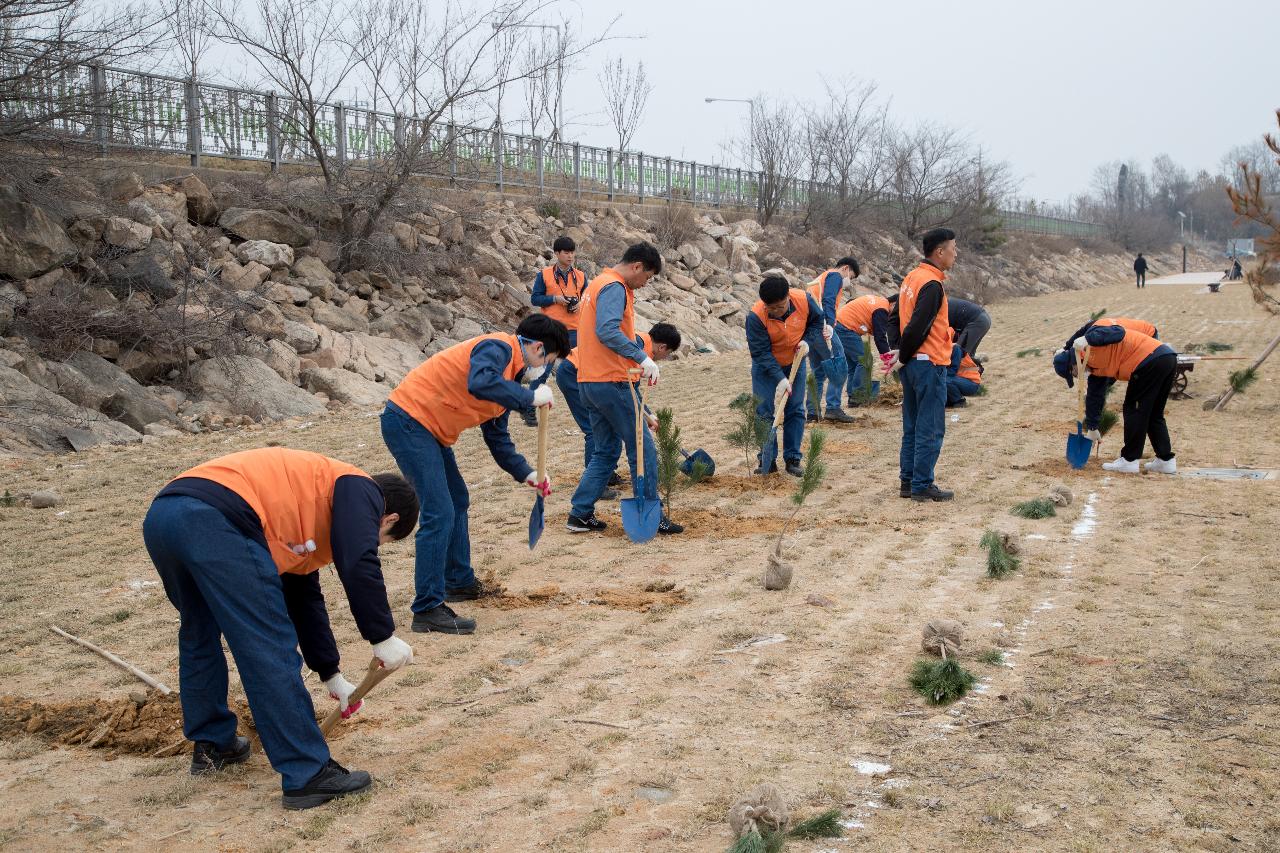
{"x":1078,"y":447}
{"x":769,"y":453}
{"x":536,"y":523}
{"x":696,"y":457}
{"x":640,"y":516}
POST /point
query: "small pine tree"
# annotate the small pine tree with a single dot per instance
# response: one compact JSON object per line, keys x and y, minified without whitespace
{"x":670,"y":459}
{"x":814,"y":470}
{"x":1000,"y":561}
{"x":941,"y":682}
{"x":1242,"y":379}
{"x":750,"y":432}
{"x":1097,"y":315}
{"x":1106,"y":421}
{"x":862,"y":395}
{"x":1038,"y":508}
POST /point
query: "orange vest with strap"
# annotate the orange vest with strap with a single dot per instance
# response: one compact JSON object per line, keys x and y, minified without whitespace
{"x":969,"y":369}
{"x":785,"y":335}
{"x":645,"y":339}
{"x":556,"y":287}
{"x":815,"y":289}
{"x":597,"y":362}
{"x":1129,"y":324}
{"x":435,"y":392}
{"x":937,"y":345}
{"x":855,"y":315}
{"x":1119,"y":360}
{"x":291,"y":491}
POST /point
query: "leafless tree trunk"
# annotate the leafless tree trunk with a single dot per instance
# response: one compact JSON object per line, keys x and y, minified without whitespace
{"x":846,"y":149}
{"x":190,"y":25}
{"x":626,"y":93}
{"x":929,"y":166}
{"x":775,"y":141}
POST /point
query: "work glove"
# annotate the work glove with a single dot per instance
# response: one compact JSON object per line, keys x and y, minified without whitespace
{"x":649,"y":370}
{"x":542,"y":396}
{"x":784,"y":385}
{"x":393,"y":652}
{"x":1080,"y":344}
{"x":827,"y":332}
{"x":341,"y":689}
{"x":889,"y":361}
{"x":544,"y":488}
{"x":1093,"y":435}
{"x":652,"y":420}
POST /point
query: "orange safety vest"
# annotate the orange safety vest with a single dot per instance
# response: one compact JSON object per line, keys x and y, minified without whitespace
{"x":855,"y":315}
{"x":785,"y":335}
{"x":1119,"y":360}
{"x":969,"y":369}
{"x":435,"y":392}
{"x":291,"y":491}
{"x":645,"y":339}
{"x":937,"y":346}
{"x":1142,"y":327}
{"x":598,"y":362}
{"x":556,"y":287}
{"x":815,"y":288}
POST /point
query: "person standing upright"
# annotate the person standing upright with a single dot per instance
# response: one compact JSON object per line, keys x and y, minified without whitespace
{"x":827,"y":291}
{"x":1140,"y":270}
{"x":558,"y":287}
{"x":924,"y":351}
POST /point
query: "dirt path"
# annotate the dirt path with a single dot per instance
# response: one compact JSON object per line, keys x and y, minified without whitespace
{"x":612,"y":702}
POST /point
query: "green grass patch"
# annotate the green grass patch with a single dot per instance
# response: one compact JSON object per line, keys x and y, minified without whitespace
{"x":1038,"y":508}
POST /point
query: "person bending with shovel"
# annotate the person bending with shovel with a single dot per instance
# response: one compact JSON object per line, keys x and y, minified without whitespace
{"x":474,"y":383}
{"x":1111,"y":352}
{"x":778,"y":323}
{"x":609,"y":362}
{"x":238,"y":543}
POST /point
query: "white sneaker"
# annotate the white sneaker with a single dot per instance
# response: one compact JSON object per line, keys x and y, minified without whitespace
{"x":1162,"y":466}
{"x":1122,"y":466}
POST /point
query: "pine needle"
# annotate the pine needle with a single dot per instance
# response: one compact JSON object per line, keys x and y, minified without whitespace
{"x":1107,"y":420}
{"x":993,"y":657}
{"x":1096,"y":315}
{"x":1038,"y":508}
{"x":825,"y":825}
{"x":752,"y":842}
{"x":999,"y":561}
{"x":1242,"y":379}
{"x":941,"y":682}
{"x":1026,"y":352}
{"x":814,"y":468}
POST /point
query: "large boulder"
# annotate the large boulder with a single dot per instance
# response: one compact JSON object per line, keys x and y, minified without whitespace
{"x":338,"y":319}
{"x":411,"y":325}
{"x":93,"y":381}
{"x":345,"y":387}
{"x":137,"y":410}
{"x":30,"y":242}
{"x":276,"y":256}
{"x":301,"y":337}
{"x":169,"y":203}
{"x":125,"y":233}
{"x":146,"y":272}
{"x":35,"y":417}
{"x":391,"y":358}
{"x":310,"y":266}
{"x":248,"y":386}
{"x":201,"y":207}
{"x":254,"y":224}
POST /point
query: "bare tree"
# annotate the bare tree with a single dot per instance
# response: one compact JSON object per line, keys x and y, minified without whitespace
{"x":929,"y":165}
{"x":846,"y":150}
{"x":626,"y":93}
{"x":775,"y":142}
{"x":190,"y":25}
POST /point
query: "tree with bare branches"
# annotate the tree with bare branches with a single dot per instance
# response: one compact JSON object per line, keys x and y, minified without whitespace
{"x":929,"y":165}
{"x":846,"y":150}
{"x":775,"y":143}
{"x":626,"y":90}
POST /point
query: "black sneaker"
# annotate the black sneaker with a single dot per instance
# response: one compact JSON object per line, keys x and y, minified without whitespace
{"x":331,"y":782}
{"x":207,"y":758}
{"x":443,"y":620}
{"x":529,"y":416}
{"x":933,"y":493}
{"x":904,"y":488}
{"x":615,"y":479}
{"x":468,"y":593}
{"x":608,"y":494}
{"x":958,"y":405}
{"x":585,"y":524}
{"x":840,"y":416}
{"x":795,"y":469}
{"x":811,"y":418}
{"x":667,"y":527}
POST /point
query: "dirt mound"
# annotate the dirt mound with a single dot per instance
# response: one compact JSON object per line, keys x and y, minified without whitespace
{"x":737,"y":484}
{"x":640,"y":600}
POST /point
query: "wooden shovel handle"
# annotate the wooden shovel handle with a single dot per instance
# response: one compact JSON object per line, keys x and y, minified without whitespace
{"x":780,"y":406}
{"x":372,"y":677}
{"x":542,"y":444}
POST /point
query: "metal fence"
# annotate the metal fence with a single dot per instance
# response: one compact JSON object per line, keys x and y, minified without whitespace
{"x":118,"y":108}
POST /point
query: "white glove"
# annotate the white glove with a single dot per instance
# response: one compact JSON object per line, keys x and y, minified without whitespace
{"x":649,"y":370}
{"x":393,"y":652}
{"x":651,"y":420}
{"x":784,"y":385}
{"x":544,"y":488}
{"x":1093,"y":435}
{"x":1080,"y":344}
{"x":542,"y":396}
{"x":889,"y":362}
{"x":827,"y":332}
{"x":341,"y":689}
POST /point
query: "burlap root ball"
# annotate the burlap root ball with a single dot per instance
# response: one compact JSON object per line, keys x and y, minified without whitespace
{"x":778,"y":572}
{"x":763,"y":810}
{"x":1060,"y":495}
{"x":1009,"y":543}
{"x":940,"y":633}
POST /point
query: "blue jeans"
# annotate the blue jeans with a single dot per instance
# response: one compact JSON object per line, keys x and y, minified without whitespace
{"x":924,"y":421}
{"x":835,"y":370}
{"x":958,"y":388}
{"x":567,"y":380}
{"x":442,"y":545}
{"x":793,"y":410}
{"x":613,"y":427}
{"x":853,"y":352}
{"x":224,"y":584}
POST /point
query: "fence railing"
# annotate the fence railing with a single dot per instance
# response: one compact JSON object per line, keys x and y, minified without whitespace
{"x":115,"y":108}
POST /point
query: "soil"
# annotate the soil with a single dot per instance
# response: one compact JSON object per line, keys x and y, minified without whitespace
{"x":1137,"y":710}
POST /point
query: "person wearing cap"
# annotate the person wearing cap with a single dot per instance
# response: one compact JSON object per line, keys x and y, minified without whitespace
{"x":920,"y":327}
{"x":238,"y":543}
{"x":827,"y":291}
{"x":863,"y":315}
{"x":970,"y":321}
{"x":1112,"y":352}
{"x":471,"y":384}
{"x":782,"y":318}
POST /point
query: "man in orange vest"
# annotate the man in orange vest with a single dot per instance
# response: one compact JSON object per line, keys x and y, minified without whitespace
{"x":1131,"y":323}
{"x":863,"y":315}
{"x":919,"y":322}
{"x":964,"y":377}
{"x":1114,"y":352}
{"x":776,"y":325}
{"x":607,"y":352}
{"x":558,"y":288}
{"x":474,"y":383}
{"x":238,"y":543}
{"x":827,"y":291}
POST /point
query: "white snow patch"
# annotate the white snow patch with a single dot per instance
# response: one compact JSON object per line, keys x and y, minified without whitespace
{"x":1036,"y":536}
{"x":870,"y":768}
{"x":1088,"y":518}
{"x":852,"y":823}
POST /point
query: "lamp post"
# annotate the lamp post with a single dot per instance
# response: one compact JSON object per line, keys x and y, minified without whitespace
{"x":560,"y":31}
{"x":1182,"y":221}
{"x":751,"y":105}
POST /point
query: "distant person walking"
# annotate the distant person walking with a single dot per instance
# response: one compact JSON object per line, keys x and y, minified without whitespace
{"x":1140,"y":270}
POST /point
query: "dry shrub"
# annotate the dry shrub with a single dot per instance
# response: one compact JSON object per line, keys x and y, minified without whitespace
{"x":675,"y":225}
{"x":810,"y":250}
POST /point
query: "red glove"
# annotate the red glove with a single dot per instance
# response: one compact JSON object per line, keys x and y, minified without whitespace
{"x":887,"y":360}
{"x":544,"y":488}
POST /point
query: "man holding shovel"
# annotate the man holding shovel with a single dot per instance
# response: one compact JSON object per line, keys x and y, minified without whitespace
{"x":238,"y":543}
{"x":474,"y":383}
{"x":827,"y":291}
{"x":607,"y":353}
{"x":777,"y":324}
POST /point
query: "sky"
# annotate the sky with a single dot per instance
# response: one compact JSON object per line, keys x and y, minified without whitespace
{"x":1054,"y":89}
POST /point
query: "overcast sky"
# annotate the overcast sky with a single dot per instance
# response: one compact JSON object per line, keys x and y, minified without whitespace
{"x":1055,"y":89}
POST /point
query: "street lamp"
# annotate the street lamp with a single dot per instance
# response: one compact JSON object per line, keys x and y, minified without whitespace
{"x":561,"y":45}
{"x":1182,"y":221}
{"x":751,"y":104}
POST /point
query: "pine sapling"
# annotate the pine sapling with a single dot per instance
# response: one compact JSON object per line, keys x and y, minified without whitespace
{"x":669,"y":457}
{"x":869,"y":364}
{"x":750,"y":432}
{"x":825,"y":825}
{"x":1038,"y":508}
{"x":1242,"y":379}
{"x":1023,"y":353}
{"x":992,"y":657}
{"x":814,"y":470}
{"x":1096,"y":315}
{"x":1000,"y":561}
{"x":1106,"y":421}
{"x":941,"y":682}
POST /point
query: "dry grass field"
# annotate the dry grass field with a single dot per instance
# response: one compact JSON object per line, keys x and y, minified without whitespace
{"x":614,"y":700}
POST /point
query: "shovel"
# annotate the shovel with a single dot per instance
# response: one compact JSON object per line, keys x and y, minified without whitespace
{"x":769,"y":452}
{"x":375,"y":674}
{"x":1078,"y":446}
{"x":536,"y":523}
{"x":696,"y":458}
{"x":640,"y":516}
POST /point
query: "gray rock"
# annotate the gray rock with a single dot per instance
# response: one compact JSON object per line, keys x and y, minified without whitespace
{"x":45,"y":499}
{"x":247,"y":386}
{"x":32,"y":417}
{"x":30,"y":242}
{"x":252,"y":224}
{"x":439,"y":314}
{"x":336,"y":318}
{"x":392,"y":358}
{"x":137,"y":409}
{"x":146,"y":272}
{"x":410,"y":325}
{"x":345,"y":387}
{"x":301,"y":337}
{"x":169,"y":203}
{"x":201,"y":207}
{"x":160,"y":430}
{"x":464,"y":328}
{"x":310,"y":266}
{"x":274,"y":256}
{"x":125,"y":233}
